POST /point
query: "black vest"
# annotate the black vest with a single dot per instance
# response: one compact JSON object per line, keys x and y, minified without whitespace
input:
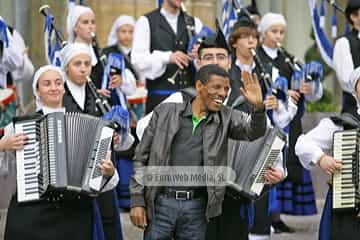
{"x":163,"y":38}
{"x":349,"y":102}
{"x":97,"y":71}
{"x":71,"y":105}
{"x":236,"y":84}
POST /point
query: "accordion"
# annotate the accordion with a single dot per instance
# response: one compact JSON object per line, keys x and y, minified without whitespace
{"x":346,"y":182}
{"x":251,"y":160}
{"x":62,"y":153}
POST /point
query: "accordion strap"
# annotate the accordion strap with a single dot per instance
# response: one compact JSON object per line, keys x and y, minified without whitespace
{"x":346,"y":120}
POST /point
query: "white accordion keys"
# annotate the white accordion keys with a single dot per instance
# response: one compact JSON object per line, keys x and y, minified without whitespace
{"x":346,"y":149}
{"x":27,"y":165}
{"x":96,"y":178}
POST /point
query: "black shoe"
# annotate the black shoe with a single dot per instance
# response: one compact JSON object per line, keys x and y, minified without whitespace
{"x":281,"y":227}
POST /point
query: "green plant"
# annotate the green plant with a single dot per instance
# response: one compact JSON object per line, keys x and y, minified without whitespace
{"x":325,"y":104}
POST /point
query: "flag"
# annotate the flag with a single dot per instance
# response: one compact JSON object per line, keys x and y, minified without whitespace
{"x":4,"y":33}
{"x":229,"y":16}
{"x":204,"y":32}
{"x":52,"y":43}
{"x":322,"y":41}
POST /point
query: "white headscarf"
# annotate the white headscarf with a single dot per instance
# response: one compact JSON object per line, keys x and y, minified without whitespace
{"x":73,"y":16}
{"x":71,"y":50}
{"x":37,"y":75}
{"x":269,"y":20}
{"x":120,"y":21}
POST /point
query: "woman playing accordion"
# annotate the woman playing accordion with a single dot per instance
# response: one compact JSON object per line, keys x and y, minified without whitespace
{"x":313,"y":148}
{"x":67,"y":217}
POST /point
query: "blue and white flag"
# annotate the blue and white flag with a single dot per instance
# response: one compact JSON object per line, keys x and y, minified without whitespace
{"x":52,"y":43}
{"x":4,"y":33}
{"x":229,"y":16}
{"x":204,"y":32}
{"x":324,"y":44}
{"x":115,"y":65}
{"x":115,"y":62}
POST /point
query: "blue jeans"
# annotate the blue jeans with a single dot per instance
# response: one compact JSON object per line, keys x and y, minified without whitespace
{"x":177,"y":219}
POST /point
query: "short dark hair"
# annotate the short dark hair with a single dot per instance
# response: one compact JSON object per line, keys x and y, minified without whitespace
{"x":351,"y":8}
{"x":204,"y":74}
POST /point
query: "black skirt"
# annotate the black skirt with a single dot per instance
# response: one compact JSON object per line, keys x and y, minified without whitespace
{"x":262,"y":221}
{"x":68,"y":219}
{"x":345,"y":225}
{"x":229,"y":225}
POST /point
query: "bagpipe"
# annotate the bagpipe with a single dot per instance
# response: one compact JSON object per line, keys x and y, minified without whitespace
{"x":277,"y":88}
{"x":190,"y":29}
{"x":53,"y":38}
{"x":311,"y":72}
{"x":117,"y":115}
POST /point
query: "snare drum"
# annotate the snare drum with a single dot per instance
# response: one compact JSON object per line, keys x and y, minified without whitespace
{"x":137,"y":104}
{"x":8,"y":108}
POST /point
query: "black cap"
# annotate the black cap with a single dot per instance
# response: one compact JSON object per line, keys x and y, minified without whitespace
{"x":351,"y":7}
{"x":244,"y":20}
{"x":252,"y":8}
{"x":216,"y":40}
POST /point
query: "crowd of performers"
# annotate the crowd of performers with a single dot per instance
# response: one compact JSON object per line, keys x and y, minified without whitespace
{"x":204,"y":93}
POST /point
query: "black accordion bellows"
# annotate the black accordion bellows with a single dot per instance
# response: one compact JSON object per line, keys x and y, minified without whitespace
{"x":250,"y":160}
{"x":62,"y":154}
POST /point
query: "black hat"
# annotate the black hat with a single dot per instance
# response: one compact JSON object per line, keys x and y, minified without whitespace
{"x":252,"y":8}
{"x":244,"y":20}
{"x":216,"y":40}
{"x":351,"y":7}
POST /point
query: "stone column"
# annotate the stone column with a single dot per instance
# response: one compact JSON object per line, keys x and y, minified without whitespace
{"x":205,"y":10}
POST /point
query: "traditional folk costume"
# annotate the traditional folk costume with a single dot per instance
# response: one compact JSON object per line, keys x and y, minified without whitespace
{"x":157,"y":35}
{"x":79,"y":99}
{"x":319,"y":141}
{"x":124,"y":158}
{"x":71,"y":216}
{"x":294,"y":195}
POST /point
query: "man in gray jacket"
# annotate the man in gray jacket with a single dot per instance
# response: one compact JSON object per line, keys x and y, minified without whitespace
{"x":193,"y":133}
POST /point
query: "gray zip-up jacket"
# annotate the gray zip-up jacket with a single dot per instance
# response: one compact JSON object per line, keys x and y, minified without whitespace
{"x":155,"y":145}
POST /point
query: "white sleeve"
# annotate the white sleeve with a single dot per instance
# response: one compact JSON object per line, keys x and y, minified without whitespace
{"x":150,"y":64}
{"x":112,"y":182}
{"x":128,"y":85}
{"x":198,"y":24}
{"x":311,"y":146}
{"x":282,"y":116}
{"x":12,"y":57}
{"x":25,"y":72}
{"x":343,"y":63}
{"x":144,"y":122}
